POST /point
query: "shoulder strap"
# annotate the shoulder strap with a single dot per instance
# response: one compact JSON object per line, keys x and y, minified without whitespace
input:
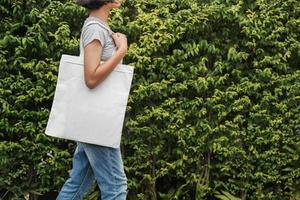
{"x":103,"y":26}
{"x":110,"y":32}
{"x":100,"y":24}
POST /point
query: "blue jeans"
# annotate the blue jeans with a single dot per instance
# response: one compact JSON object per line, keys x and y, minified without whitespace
{"x":92,"y":162}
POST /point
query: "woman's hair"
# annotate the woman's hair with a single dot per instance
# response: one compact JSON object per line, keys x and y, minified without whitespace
{"x":92,"y":4}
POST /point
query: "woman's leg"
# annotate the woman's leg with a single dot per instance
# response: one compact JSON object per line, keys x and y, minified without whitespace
{"x":109,"y":172}
{"x":81,"y":177}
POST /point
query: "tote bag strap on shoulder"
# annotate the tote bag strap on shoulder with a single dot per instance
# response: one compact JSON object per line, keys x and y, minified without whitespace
{"x":100,"y":24}
{"x":87,"y":24}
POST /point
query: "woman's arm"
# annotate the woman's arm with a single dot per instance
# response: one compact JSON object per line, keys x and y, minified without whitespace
{"x":95,"y":71}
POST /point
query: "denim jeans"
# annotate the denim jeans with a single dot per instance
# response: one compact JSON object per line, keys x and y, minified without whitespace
{"x":94,"y":162}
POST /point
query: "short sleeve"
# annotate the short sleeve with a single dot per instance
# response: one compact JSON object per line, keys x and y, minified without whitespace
{"x":93,"y":32}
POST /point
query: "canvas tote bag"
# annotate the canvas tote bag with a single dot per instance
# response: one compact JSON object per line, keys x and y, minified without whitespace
{"x":93,"y":116}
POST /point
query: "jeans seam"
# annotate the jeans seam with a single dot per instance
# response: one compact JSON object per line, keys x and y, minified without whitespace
{"x":81,"y":183}
{"x":113,"y":170}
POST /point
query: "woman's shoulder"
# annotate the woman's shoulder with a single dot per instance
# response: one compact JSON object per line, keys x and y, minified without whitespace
{"x":94,"y":30}
{"x":95,"y":24}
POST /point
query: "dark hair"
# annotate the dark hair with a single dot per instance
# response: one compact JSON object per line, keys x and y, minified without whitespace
{"x":93,"y":4}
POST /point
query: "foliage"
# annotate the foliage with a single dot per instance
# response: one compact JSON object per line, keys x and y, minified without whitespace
{"x":213,"y":111}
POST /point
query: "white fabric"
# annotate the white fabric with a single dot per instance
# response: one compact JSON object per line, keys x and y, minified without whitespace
{"x":93,"y":116}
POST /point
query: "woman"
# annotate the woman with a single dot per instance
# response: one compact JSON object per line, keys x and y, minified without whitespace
{"x":104,"y":164}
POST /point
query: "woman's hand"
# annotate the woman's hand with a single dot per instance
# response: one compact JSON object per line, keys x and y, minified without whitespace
{"x":120,"y":41}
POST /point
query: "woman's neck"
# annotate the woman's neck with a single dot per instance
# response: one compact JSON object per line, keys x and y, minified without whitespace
{"x":101,"y":13}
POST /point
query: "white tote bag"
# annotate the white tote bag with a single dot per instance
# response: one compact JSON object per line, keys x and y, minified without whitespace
{"x":93,"y":116}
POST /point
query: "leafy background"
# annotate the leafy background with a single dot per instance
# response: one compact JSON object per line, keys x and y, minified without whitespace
{"x":214,"y":110}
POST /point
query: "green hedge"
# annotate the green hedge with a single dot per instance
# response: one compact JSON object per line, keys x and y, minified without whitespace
{"x":214,"y":110}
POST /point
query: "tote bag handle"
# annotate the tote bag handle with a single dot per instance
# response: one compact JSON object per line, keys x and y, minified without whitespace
{"x":110,"y":32}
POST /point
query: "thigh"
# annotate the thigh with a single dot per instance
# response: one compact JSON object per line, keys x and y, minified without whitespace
{"x":108,"y":169}
{"x":81,"y":176}
{"x":81,"y":167}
